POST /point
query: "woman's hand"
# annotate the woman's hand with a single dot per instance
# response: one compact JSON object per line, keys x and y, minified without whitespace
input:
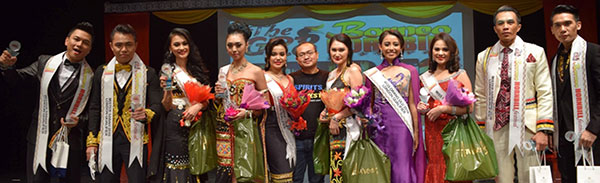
{"x":191,"y":112}
{"x":242,"y":113}
{"x":323,"y":118}
{"x":434,"y":113}
{"x":422,"y":107}
{"x":218,"y":88}
{"x":163,"y":81}
{"x":334,"y":126}
{"x":415,"y":142}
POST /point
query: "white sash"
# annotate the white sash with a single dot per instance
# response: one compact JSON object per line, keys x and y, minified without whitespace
{"x":517,"y":61}
{"x":138,"y":99}
{"x":391,"y":94}
{"x":181,"y":77}
{"x":77,"y":105}
{"x":282,"y":120}
{"x":432,"y":86}
{"x":222,"y":79}
{"x":579,"y":91}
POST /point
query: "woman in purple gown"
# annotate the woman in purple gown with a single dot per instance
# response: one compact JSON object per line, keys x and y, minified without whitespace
{"x":403,"y":145}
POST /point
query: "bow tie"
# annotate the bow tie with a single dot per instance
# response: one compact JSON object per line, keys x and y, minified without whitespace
{"x":120,"y":67}
{"x":69,"y":63}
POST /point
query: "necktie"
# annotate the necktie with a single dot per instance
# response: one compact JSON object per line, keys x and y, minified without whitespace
{"x":503,"y":99}
{"x":120,"y":67}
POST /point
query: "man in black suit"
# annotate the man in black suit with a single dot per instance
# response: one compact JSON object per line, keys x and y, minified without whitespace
{"x":576,"y":103}
{"x":63,"y":96}
{"x":126,"y":97}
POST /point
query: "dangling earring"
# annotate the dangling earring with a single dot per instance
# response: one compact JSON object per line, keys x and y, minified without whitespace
{"x":380,"y":54}
{"x":285,"y":65}
{"x":401,"y":55}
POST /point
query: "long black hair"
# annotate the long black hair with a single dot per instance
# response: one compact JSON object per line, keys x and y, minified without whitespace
{"x":195,"y":63}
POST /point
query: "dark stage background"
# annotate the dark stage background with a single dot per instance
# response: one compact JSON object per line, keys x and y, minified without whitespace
{"x":42,"y":26}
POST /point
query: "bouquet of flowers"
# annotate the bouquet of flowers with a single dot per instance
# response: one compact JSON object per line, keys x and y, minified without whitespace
{"x":457,"y":95}
{"x":333,"y":99}
{"x":354,"y":99}
{"x":196,"y":93}
{"x":295,"y":103}
{"x":251,"y":100}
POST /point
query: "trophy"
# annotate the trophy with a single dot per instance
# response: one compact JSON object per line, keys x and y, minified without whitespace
{"x":13,"y":48}
{"x":167,"y":71}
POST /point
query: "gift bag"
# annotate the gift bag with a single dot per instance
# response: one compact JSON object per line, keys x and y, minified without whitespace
{"x":587,"y":173}
{"x":248,"y":153}
{"x":321,"y":149}
{"x":365,"y":162}
{"x":540,"y":173}
{"x":468,"y":151}
{"x":60,"y":153}
{"x":202,"y":144}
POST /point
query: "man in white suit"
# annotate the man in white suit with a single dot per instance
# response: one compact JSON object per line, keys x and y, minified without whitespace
{"x":514,"y":97}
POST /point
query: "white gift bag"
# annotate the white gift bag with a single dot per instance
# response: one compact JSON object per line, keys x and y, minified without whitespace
{"x":540,"y":173}
{"x":60,"y":149}
{"x":587,"y":173}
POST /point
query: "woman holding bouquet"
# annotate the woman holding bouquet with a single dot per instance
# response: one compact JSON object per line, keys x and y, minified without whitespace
{"x":230,"y":86}
{"x":396,"y":126}
{"x":341,"y":124}
{"x":279,"y":140}
{"x":443,"y":67}
{"x":170,"y":160}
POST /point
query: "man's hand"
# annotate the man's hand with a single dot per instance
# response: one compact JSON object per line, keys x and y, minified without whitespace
{"x":7,"y":60}
{"x":70,"y":124}
{"x":139,"y":114}
{"x":541,"y":141}
{"x":587,"y":139}
{"x":89,"y":151}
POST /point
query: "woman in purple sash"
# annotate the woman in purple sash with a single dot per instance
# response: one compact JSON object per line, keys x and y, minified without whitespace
{"x":389,"y":131}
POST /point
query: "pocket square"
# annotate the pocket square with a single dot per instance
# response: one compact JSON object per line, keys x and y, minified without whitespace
{"x":530,"y":58}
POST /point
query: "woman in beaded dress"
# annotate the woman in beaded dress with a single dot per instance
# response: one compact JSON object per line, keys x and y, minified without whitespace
{"x":394,"y":136}
{"x":443,"y":66}
{"x":343,"y":127}
{"x":229,"y":88}
{"x":279,"y":140}
{"x":170,"y":160}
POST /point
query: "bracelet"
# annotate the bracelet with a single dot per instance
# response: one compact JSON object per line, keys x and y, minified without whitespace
{"x":335,"y":119}
{"x":454,"y":110}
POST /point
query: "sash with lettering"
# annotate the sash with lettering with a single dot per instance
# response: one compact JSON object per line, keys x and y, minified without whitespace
{"x":181,"y":77}
{"x":222,"y":79}
{"x":433,"y":87}
{"x":77,"y":105}
{"x":138,"y":99}
{"x":282,"y":120}
{"x":579,"y":92}
{"x":517,"y":60}
{"x":391,"y":94}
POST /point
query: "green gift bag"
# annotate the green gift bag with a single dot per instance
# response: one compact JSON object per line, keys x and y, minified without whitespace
{"x":468,"y":151}
{"x":365,"y":162}
{"x":321,"y":149}
{"x":202,"y":144}
{"x":248,"y":153}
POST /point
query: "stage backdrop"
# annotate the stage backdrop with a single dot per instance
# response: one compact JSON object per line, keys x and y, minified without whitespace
{"x":363,"y":25}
